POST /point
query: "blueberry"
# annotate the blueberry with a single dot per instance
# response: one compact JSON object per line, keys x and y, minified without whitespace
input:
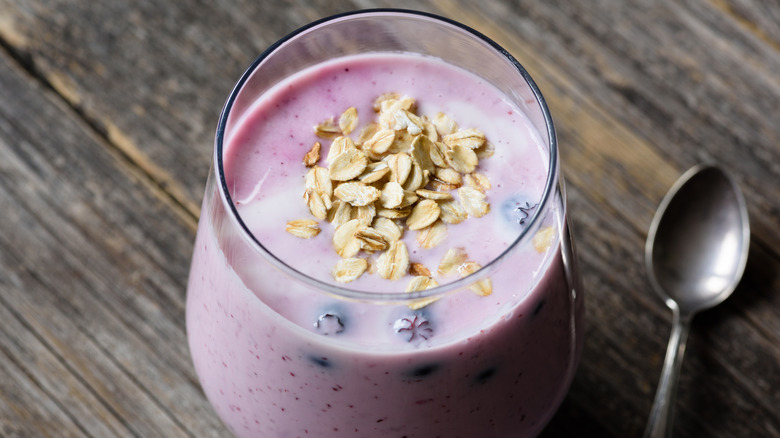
{"x":517,"y":210}
{"x":424,"y":371}
{"x":538,"y":307}
{"x":485,"y":375}
{"x":413,"y":327}
{"x":329,"y":324}
{"x":320,"y":361}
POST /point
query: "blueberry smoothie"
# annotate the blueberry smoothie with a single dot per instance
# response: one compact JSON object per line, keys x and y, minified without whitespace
{"x":281,"y":352}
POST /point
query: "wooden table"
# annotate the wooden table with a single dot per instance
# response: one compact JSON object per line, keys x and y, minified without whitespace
{"x":107,"y":115}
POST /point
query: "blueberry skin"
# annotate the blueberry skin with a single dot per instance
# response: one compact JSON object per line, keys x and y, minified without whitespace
{"x":517,"y":210}
{"x":320,"y":361}
{"x":330,"y":323}
{"x":485,"y":375}
{"x":424,"y":370}
{"x":539,"y":307}
{"x":414,"y":328}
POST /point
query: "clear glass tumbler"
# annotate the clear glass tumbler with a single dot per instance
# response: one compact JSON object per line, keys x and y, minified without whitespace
{"x":265,"y":337}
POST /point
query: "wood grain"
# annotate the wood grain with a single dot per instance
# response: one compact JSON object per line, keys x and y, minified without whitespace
{"x":97,"y":293}
{"x":107,"y":116}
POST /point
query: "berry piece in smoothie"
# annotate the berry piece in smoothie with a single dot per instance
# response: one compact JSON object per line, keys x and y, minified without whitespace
{"x":329,"y":324}
{"x":423,"y":371}
{"x":539,"y":307}
{"x":485,"y":375}
{"x":320,"y":361}
{"x":414,"y":328}
{"x":517,"y":210}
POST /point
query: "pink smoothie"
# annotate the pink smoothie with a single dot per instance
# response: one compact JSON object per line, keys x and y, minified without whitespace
{"x":277,"y":357}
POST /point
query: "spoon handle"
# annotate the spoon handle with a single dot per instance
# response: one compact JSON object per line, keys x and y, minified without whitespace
{"x":660,"y":422}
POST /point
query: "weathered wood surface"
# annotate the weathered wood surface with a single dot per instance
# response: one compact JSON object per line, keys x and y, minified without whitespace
{"x":107,"y":112}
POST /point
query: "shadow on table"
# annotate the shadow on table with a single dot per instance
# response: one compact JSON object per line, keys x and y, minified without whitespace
{"x":571,"y":421}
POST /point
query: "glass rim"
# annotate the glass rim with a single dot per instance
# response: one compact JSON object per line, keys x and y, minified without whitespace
{"x":364,"y":295}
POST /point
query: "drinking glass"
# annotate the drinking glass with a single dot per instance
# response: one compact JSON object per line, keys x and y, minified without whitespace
{"x":269,"y":372}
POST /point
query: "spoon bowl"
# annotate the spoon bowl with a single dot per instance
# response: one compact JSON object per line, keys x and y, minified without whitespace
{"x":698,"y":241}
{"x":696,"y":252}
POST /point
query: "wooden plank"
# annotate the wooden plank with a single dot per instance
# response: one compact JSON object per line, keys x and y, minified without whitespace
{"x":32,"y":398}
{"x":104,"y":257}
{"x":18,"y":395}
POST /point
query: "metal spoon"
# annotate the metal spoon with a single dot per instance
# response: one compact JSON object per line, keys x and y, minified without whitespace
{"x":696,"y":252}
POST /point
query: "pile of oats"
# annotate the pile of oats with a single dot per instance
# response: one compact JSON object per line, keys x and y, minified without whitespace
{"x":400,"y":172}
